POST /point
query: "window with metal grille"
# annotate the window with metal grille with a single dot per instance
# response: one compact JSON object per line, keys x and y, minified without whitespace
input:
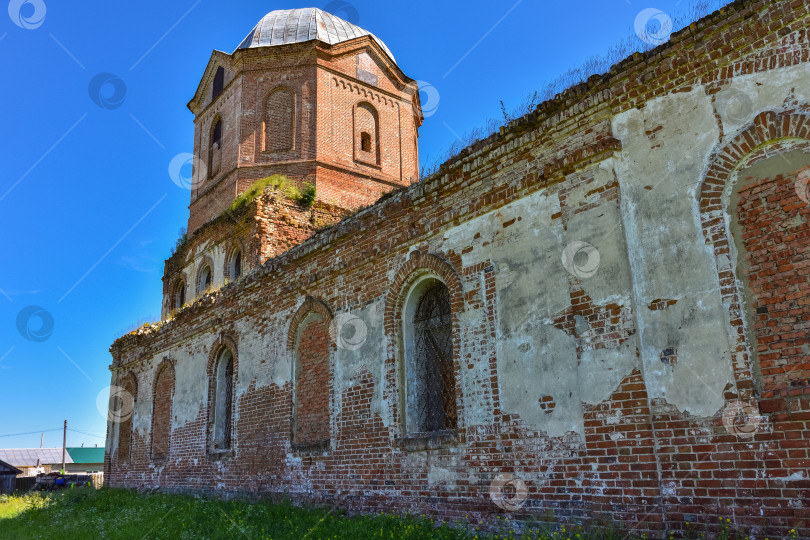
{"x":223,"y":401}
{"x":430,"y":386}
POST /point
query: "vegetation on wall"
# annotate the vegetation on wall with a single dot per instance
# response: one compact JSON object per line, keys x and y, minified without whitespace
{"x":593,"y":65}
{"x":305,"y":197}
{"x":181,"y":241}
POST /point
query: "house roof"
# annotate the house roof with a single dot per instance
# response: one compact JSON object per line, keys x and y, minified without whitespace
{"x":86,"y":455}
{"x":5,"y":468}
{"x":27,"y":457}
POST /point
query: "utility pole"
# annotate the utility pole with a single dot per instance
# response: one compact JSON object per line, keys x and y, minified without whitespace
{"x":41,"y":440}
{"x":64,"y":445}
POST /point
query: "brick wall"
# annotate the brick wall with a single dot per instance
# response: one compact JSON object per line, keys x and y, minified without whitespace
{"x":641,"y":389}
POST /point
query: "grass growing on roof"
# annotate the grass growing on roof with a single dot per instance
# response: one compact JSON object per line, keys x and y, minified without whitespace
{"x":279,"y":182}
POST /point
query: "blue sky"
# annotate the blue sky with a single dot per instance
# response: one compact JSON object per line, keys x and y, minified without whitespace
{"x":88,"y":211}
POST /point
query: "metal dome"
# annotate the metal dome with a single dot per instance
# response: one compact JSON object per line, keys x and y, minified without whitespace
{"x":285,"y":26}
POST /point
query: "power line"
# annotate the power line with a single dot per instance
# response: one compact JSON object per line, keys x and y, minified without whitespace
{"x":88,"y":434}
{"x":30,"y":432}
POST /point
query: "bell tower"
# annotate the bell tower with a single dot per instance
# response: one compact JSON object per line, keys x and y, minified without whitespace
{"x":306,"y":100}
{"x":309,"y":96}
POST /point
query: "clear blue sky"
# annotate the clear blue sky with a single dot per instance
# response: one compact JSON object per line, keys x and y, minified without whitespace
{"x":88,"y":212}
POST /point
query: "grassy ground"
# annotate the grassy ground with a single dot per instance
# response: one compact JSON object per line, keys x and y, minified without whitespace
{"x":112,"y":513}
{"x":85,"y":513}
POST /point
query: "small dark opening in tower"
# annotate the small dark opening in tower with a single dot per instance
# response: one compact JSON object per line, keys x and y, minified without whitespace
{"x":365,"y":142}
{"x":217,"y":138}
{"x":219,"y":82}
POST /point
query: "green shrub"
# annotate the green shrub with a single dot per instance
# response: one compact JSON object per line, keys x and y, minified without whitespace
{"x":307,"y":196}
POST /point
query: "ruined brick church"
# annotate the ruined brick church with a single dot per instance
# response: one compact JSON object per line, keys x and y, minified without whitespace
{"x":602,"y":310}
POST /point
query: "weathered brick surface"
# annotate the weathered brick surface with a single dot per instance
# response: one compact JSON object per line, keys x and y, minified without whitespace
{"x":579,"y":385}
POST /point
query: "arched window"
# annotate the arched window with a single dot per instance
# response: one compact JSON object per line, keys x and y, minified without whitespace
{"x":178,"y":299}
{"x":124,"y":408}
{"x":162,"y":412}
{"x":206,"y":279}
{"x":279,"y":121}
{"x":367,"y":134}
{"x":430,"y":395}
{"x":222,"y":404}
{"x":215,"y":149}
{"x":235,"y":271}
{"x":310,"y":339}
{"x":219,"y":83}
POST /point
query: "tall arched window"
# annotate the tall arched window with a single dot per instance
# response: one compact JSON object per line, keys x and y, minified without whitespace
{"x":280,"y":121}
{"x":222,"y":404}
{"x":125,"y":409}
{"x":178,"y":298}
{"x":235,"y":270}
{"x":205,"y":280}
{"x":430,"y":396}
{"x":366,"y":134}
{"x":215,"y":148}
{"x":219,"y":83}
{"x":162,"y":411}
{"x":311,"y":342}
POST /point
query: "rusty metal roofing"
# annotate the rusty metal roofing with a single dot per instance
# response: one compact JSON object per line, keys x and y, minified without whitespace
{"x":285,"y":26}
{"x":27,"y":457}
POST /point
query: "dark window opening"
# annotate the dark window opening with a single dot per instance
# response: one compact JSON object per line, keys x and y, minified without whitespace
{"x":215,"y":157}
{"x":219,"y":82}
{"x":179,"y":294}
{"x":365,"y":142}
{"x":237,"y":265}
{"x":205,"y":279}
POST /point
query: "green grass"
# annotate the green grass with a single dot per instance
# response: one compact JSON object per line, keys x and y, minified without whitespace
{"x":283,"y":184}
{"x":82,"y":513}
{"x":114,"y":513}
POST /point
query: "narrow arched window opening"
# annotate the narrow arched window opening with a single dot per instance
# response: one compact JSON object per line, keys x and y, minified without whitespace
{"x":219,"y":83}
{"x":365,"y":142}
{"x":215,"y":151}
{"x":206,"y":279}
{"x":236,"y":265}
{"x":223,"y":401}
{"x":430,"y":381}
{"x":179,"y":294}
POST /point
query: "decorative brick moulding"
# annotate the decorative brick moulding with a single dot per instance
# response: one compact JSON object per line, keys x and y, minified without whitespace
{"x":599,"y":313}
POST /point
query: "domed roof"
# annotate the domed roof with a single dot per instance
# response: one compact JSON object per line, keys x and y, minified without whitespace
{"x":285,"y":26}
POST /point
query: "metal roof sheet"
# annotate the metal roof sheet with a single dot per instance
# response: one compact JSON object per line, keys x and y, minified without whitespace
{"x":285,"y":26}
{"x":27,"y":457}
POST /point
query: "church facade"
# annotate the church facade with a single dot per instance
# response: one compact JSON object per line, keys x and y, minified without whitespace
{"x":601,"y":310}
